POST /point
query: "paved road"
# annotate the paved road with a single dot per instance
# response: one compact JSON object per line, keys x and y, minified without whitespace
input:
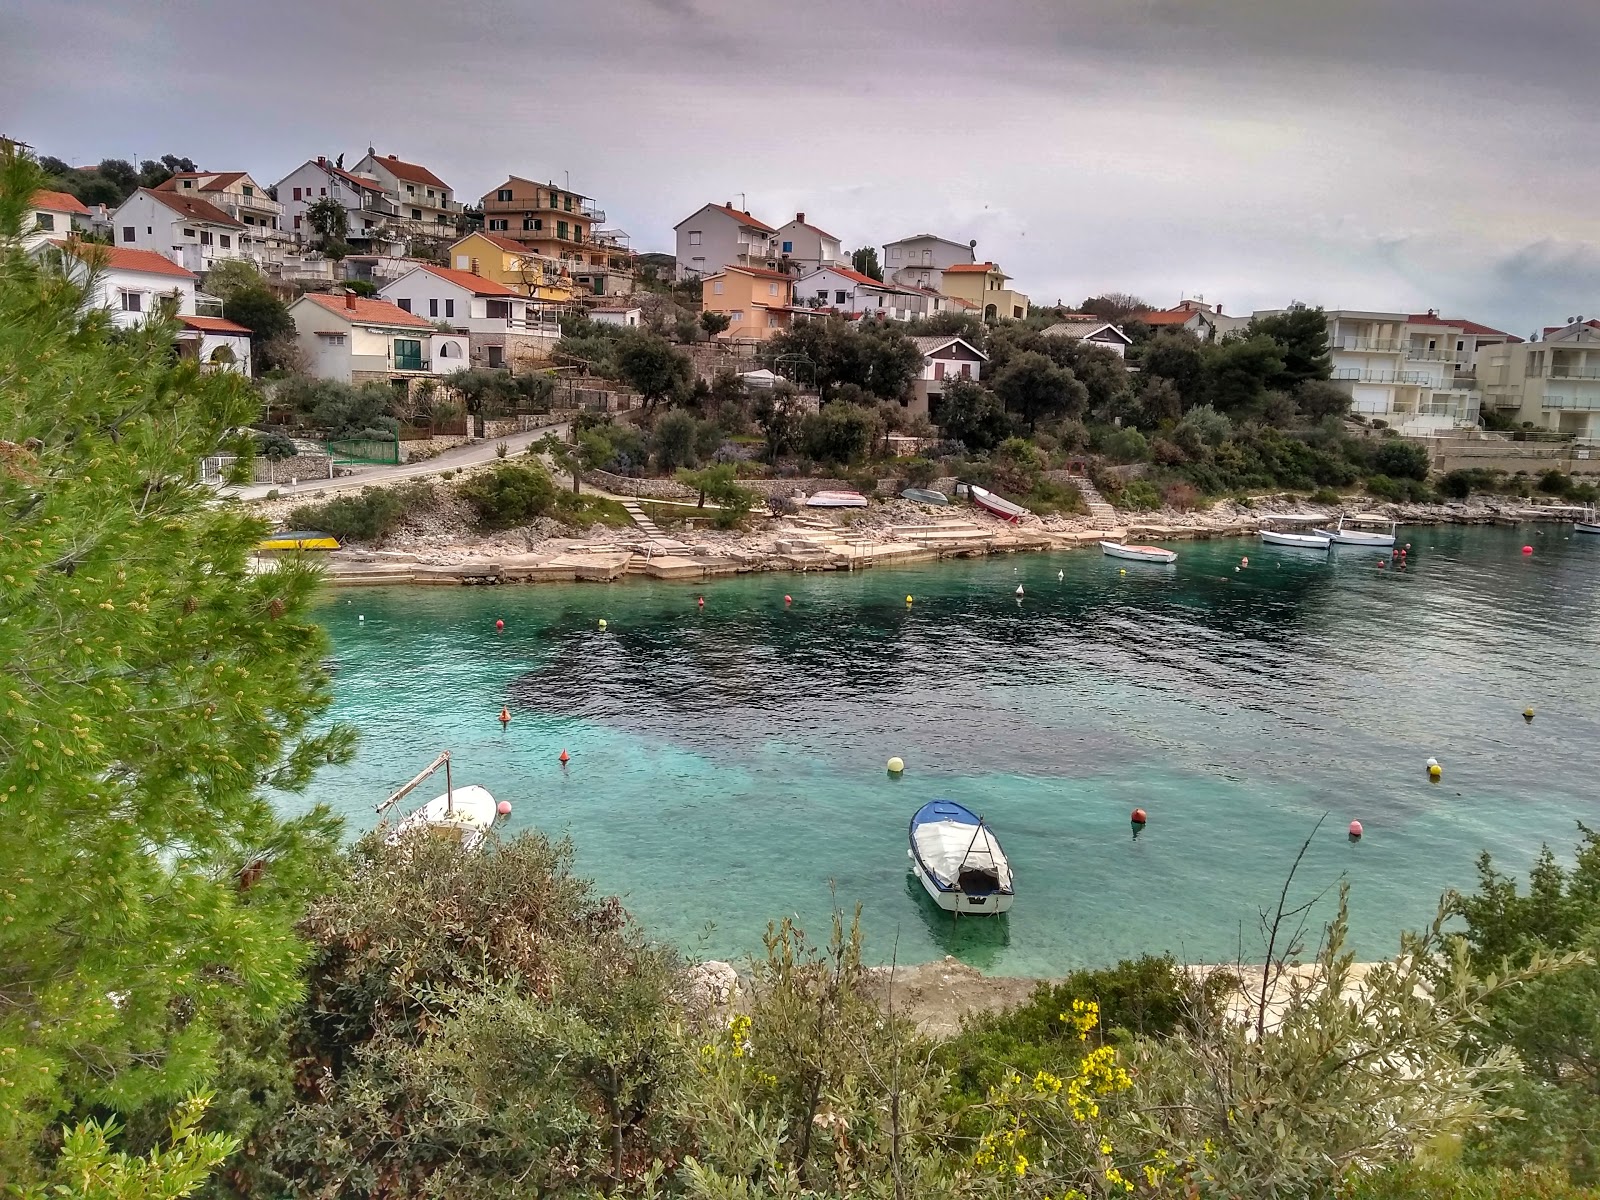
{"x":470,"y":455}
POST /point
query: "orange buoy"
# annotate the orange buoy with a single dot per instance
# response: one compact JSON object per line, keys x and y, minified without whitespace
{"x":1355,"y":831}
{"x":564,"y":755}
{"x":500,"y":626}
{"x":503,"y":808}
{"x":505,"y":716}
{"x":1139,"y":816}
{"x":788,"y":599}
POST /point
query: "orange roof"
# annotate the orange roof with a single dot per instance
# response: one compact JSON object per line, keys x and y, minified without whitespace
{"x":193,"y":207}
{"x":983,"y":267}
{"x":1457,"y":323}
{"x":367,"y":311}
{"x":213,"y":325}
{"x":476,"y":284}
{"x":510,"y":245}
{"x":123,"y":258}
{"x":762,"y":272}
{"x":858,"y":277}
{"x":1170,"y":316}
{"x":409,"y":171}
{"x":59,"y":202}
{"x":219,"y":180}
{"x":744,"y":217}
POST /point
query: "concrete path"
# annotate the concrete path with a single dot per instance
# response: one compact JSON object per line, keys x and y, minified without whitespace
{"x":470,"y":455}
{"x":651,"y":530}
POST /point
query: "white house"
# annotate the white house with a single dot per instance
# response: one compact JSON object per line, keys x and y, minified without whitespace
{"x":355,"y":339}
{"x":856,"y":295}
{"x":805,"y":247}
{"x":628,"y":318}
{"x":192,"y":232}
{"x":1553,"y":383}
{"x":51,"y":218}
{"x":719,"y":236}
{"x":922,"y":259}
{"x":426,"y":204}
{"x":217,"y":344}
{"x":1082,"y":327}
{"x":243,"y":199}
{"x":943,"y":359}
{"x":1206,"y":321}
{"x":130,"y":284}
{"x":368,"y":211}
{"x":505,"y":328}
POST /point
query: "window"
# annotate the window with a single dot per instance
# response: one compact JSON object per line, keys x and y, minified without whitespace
{"x":188,"y":183}
{"x":433,"y":308}
{"x":738,"y":315}
{"x":697,"y":264}
{"x":449,"y":308}
{"x":532,"y":223}
{"x":297,"y":222}
{"x":249,"y":220}
{"x":248,"y":190}
{"x":497,"y":223}
{"x":332,"y":339}
{"x":297,"y":193}
{"x":772,"y":321}
{"x":324,"y":191}
{"x":503,"y":194}
{"x":205,"y":237}
{"x":694,"y":237}
{"x":407,"y":354}
{"x":366,"y":226}
{"x":716,"y":287}
{"x":404,"y":304}
{"x":880,"y":301}
{"x":566,"y":204}
{"x":132,"y":302}
{"x":46,"y":223}
{"x":894,"y":253}
{"x":772,"y":289}
{"x":430,"y":193}
{"x":416,"y":214}
{"x":498,"y":310}
{"x":227,"y":241}
{"x":938,"y":368}
{"x":841,"y":297}
{"x":966,"y":370}
{"x":822,"y":294}
{"x":410,"y":191}
{"x":788,"y":247}
{"x":561,"y":230}
{"x":577,"y":232}
{"x":127,"y":233}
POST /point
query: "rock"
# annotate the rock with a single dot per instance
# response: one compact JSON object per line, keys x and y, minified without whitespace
{"x":711,"y":984}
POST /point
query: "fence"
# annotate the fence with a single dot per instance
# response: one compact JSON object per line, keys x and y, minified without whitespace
{"x":456,"y":427}
{"x":379,"y":451}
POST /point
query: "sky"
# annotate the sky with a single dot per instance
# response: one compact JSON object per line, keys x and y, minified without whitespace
{"x":1397,"y":155}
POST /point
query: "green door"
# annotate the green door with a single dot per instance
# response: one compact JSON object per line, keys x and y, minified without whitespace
{"x":407,"y":354}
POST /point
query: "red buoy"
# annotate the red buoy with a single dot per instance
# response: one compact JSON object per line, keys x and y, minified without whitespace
{"x":564,"y":755}
{"x":505,"y":716}
{"x":503,"y":808}
{"x":788,"y":599}
{"x":500,"y":626}
{"x":702,"y":601}
{"x":1139,"y":817}
{"x":1527,"y":549}
{"x":1355,"y":831}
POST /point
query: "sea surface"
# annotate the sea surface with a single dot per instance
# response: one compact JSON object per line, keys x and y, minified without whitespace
{"x":727,"y":762}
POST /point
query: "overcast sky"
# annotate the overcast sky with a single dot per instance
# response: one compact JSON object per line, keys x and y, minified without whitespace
{"x":1387,"y":154}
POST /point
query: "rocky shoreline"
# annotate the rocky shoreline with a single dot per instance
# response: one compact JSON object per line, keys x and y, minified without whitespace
{"x":439,"y":547}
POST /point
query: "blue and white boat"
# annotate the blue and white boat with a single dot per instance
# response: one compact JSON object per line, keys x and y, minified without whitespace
{"x":959,"y":860}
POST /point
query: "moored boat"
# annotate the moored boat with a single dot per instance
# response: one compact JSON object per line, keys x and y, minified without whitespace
{"x":1348,"y":531}
{"x":1151,"y":554}
{"x":299,"y":539}
{"x":958,"y":859}
{"x":464,"y":815}
{"x":1587,"y":523}
{"x":998,"y":505}
{"x":836,"y":500}
{"x":1290,"y":536}
{"x":924,"y":496}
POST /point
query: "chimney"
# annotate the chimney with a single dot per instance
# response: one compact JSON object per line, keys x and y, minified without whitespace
{"x":729,"y":204}
{"x":322,"y":160}
{"x":474,"y":266}
{"x":350,"y":301}
{"x":394,"y":158}
{"x":1219,"y":310}
{"x":801,"y":217}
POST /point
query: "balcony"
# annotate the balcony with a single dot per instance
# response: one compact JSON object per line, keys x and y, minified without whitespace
{"x":542,"y":204}
{"x":1369,"y":345}
{"x":1564,"y":371}
{"x":1356,"y":375}
{"x":1571,"y":403}
{"x":381,"y":206}
{"x":1423,"y":354}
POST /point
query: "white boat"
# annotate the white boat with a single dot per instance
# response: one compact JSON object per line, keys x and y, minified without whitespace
{"x":1587,"y":523}
{"x":836,"y":500}
{"x":1153,"y":554}
{"x":464,"y":815}
{"x":959,"y":860}
{"x":1348,"y":532}
{"x":998,"y":505}
{"x":1289,"y":536}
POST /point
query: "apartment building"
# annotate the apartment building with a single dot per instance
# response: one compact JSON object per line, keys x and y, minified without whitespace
{"x":803,"y":247}
{"x":242,"y":198}
{"x":187,"y":229}
{"x":497,"y":257}
{"x":52,"y":216}
{"x":504,"y":327}
{"x":1553,"y":383}
{"x":922,"y":259}
{"x":425,"y":203}
{"x":759,"y":303}
{"x":983,"y":285}
{"x":718,"y":236}
{"x":355,"y":339}
{"x":368,"y":210}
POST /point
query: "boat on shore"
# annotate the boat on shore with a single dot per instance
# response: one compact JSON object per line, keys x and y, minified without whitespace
{"x":1292,"y":536}
{"x":1363,"y":529}
{"x":924,"y":496}
{"x":1149,"y":554}
{"x":836,"y":500}
{"x":464,"y":815}
{"x":958,"y":859}
{"x":998,"y":505}
{"x":299,"y":539}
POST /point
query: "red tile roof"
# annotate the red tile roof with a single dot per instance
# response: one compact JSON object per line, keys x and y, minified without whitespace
{"x":219,"y":180}
{"x":193,"y":207}
{"x":813,"y":228}
{"x":213,"y":325}
{"x":983,"y":267}
{"x":858,"y":277}
{"x":1457,"y":323}
{"x":510,"y":245}
{"x":476,"y":284}
{"x":760,"y":271}
{"x":122,"y":258}
{"x":744,"y":218}
{"x":367,"y":311}
{"x":1170,"y":316}
{"x":410,"y":172}
{"x":59,"y":202}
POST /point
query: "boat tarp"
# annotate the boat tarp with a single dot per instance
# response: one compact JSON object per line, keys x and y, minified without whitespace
{"x":948,"y":847}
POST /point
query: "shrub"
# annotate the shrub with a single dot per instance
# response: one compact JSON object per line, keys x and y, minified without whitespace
{"x":1385,"y":487}
{"x":513,"y":493}
{"x":840,"y":434}
{"x":1554,"y":483}
{"x":500,"y":450}
{"x":1125,"y":446}
{"x":367,"y":516}
{"x":275,"y":446}
{"x":1047,"y":496}
{"x":1180,"y":496}
{"x":1211,"y":427}
{"x":1325,"y":496}
{"x":920,"y":472}
{"x":1399,"y":459}
{"x":1460,"y":484}
{"x":1140,"y":494}
{"x":673,"y":441}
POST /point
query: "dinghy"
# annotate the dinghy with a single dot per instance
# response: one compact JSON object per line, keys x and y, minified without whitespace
{"x":998,"y":505}
{"x":924,"y":496}
{"x":1290,"y":536}
{"x":1587,"y":523}
{"x":1348,"y":532}
{"x":836,"y":500}
{"x":299,"y":539}
{"x":959,"y":860}
{"x":464,"y":816}
{"x":1152,"y":554}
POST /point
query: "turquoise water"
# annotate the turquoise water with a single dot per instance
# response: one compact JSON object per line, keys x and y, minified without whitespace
{"x":727,"y":762}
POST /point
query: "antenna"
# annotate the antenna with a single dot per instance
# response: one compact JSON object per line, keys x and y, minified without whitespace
{"x":566,"y":177}
{"x":744,"y":205}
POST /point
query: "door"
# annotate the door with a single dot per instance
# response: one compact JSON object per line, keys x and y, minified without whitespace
{"x":407,"y":354}
{"x":938,"y":369}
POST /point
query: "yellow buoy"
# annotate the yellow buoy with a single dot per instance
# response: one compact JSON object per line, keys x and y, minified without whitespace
{"x":1527,"y":714}
{"x":896,"y":765}
{"x":1435,"y":771}
{"x":602,"y":622}
{"x":908,"y":599}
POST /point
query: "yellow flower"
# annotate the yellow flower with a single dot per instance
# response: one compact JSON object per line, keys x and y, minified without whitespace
{"x":1021,"y":1165}
{"x":1105,"y":1146}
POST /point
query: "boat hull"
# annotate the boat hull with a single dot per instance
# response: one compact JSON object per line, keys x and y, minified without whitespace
{"x":1352,"y":537}
{"x":836,"y":500}
{"x":952,"y":851}
{"x":1304,"y":541}
{"x":1586,"y":527}
{"x":998,"y":505}
{"x":473,"y":817}
{"x":925,"y":496}
{"x":1147,"y":554}
{"x":960,"y":903}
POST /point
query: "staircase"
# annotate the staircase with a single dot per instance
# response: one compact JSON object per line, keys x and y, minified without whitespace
{"x":659,"y":541}
{"x":1101,"y":514}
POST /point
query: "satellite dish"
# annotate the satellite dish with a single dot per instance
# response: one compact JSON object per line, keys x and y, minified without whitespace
{"x":973,"y":244}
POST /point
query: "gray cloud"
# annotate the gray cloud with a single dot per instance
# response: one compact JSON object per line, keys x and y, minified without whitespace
{"x":1383,"y":153}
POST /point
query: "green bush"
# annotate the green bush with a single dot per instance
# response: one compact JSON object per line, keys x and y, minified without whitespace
{"x":1399,"y":458}
{"x":920,"y":472}
{"x":1125,"y":446}
{"x":367,"y":516}
{"x":274,"y":446}
{"x":1460,"y":484}
{"x":674,"y":440}
{"x":1047,"y":497}
{"x":1325,"y":496}
{"x":1398,"y":491}
{"x":1444,"y":1181}
{"x":513,"y":493}
{"x":1139,"y":494}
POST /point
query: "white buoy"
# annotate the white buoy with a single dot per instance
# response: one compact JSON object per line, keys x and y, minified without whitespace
{"x":1433,"y":762}
{"x":1019,"y":589}
{"x":896,"y":765}
{"x":1061,"y":574}
{"x":361,"y":618}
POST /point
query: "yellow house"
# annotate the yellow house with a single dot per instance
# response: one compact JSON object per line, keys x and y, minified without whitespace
{"x":759,"y":302}
{"x":514,"y":265}
{"x":983,"y":285}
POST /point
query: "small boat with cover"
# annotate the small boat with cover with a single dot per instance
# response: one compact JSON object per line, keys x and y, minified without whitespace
{"x":924,"y":495}
{"x":958,"y":859}
{"x":1292,"y":536}
{"x":1378,"y":531}
{"x":1150,"y":554}
{"x":998,"y":505}
{"x":462,"y":815}
{"x":836,"y":500}
{"x":299,"y":539}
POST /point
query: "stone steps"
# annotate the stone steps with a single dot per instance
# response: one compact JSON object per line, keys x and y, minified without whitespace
{"x":1101,"y":514}
{"x":652,"y":531}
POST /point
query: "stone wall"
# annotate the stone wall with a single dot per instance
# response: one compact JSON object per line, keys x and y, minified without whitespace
{"x":301,"y":466}
{"x":671,"y":489}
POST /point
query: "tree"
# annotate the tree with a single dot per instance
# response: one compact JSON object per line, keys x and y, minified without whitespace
{"x":1159,"y":400}
{"x":329,"y":220}
{"x":1237,"y":372}
{"x":865,"y":261}
{"x":673,"y":441}
{"x":253,"y":305}
{"x":653,"y":367}
{"x":1174,"y":355}
{"x":1033,"y":388}
{"x":972,"y":415}
{"x":154,"y":688}
{"x":714,"y":322}
{"x":1319,"y":399}
{"x":779,"y":417}
{"x":720,"y":484}
{"x":1114,"y":306}
{"x":839,"y":433}
{"x":89,"y":1169}
{"x":1400,"y":458}
{"x":872,"y":356}
{"x":1301,"y":334}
